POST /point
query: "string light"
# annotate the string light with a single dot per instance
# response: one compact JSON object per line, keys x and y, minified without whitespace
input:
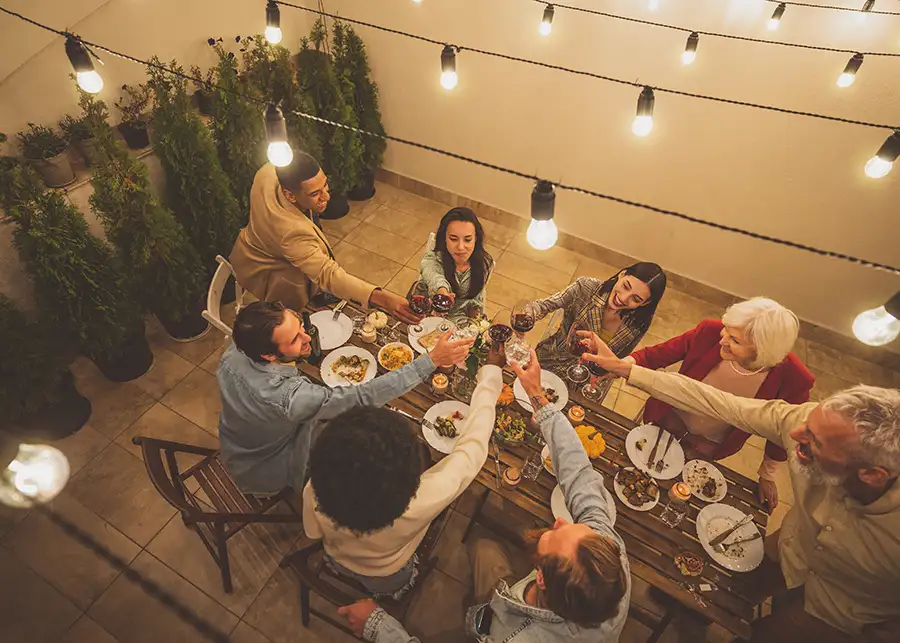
{"x":88,"y":79}
{"x":279,"y":152}
{"x":643,"y":122}
{"x":449,"y":79}
{"x":542,"y":231}
{"x":417,"y":1}
{"x":32,"y":473}
{"x":880,"y":164}
{"x":849,"y":74}
{"x":775,"y":20}
{"x":690,"y":48}
{"x":547,"y":21}
{"x":273,"y":22}
{"x":879,"y":326}
{"x":868,"y":5}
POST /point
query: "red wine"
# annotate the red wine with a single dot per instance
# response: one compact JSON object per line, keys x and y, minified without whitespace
{"x":578,"y":348}
{"x":420,"y":304}
{"x":500,"y":333}
{"x":442,"y":303}
{"x":522,"y":323}
{"x":595,"y":369}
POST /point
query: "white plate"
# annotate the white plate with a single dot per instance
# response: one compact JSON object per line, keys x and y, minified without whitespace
{"x":711,"y":472}
{"x":428,"y":324}
{"x":674,"y":461}
{"x":548,"y":380}
{"x":716,"y":518}
{"x":412,"y":355}
{"x":445,"y":408}
{"x":545,"y":453}
{"x":333,"y":379}
{"x":332,"y":333}
{"x":619,"y":487}
{"x":559,"y":509}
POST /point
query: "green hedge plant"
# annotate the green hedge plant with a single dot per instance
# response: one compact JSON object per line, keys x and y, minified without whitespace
{"x":41,"y":142}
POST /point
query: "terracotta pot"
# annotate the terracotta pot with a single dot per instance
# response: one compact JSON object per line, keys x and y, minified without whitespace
{"x":56,"y":171}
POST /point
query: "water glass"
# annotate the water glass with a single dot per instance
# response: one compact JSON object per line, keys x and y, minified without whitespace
{"x":532,"y":466}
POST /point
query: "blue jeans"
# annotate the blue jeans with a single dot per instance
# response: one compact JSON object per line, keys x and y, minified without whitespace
{"x":394,"y":586}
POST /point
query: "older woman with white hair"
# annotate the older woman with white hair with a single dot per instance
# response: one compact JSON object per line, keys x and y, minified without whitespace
{"x":748,"y":354}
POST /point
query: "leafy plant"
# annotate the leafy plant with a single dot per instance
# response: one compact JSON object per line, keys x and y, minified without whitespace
{"x":41,"y":142}
{"x":79,"y":283}
{"x":352,"y":67}
{"x":164,"y":267}
{"x":342,"y":149}
{"x":75,"y":129}
{"x":268,"y":71}
{"x":206,"y":79}
{"x":197,"y":189}
{"x":135,"y":103}
{"x":237,"y":126}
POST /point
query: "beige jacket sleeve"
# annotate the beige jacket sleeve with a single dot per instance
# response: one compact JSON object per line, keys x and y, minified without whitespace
{"x":772,"y":419}
{"x":302,"y":249}
{"x":310,"y":521}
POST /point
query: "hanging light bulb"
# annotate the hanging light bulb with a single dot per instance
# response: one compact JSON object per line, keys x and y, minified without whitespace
{"x":279,"y":152}
{"x":690,"y":48}
{"x":88,"y":79}
{"x":542,"y":232}
{"x":273,"y":23}
{"x":868,"y":5}
{"x":31,"y":473}
{"x":449,"y":79}
{"x":643,"y":122}
{"x":849,"y":75}
{"x":418,"y":1}
{"x":880,"y":164}
{"x":547,"y":21}
{"x":879,"y":326}
{"x":775,"y":20}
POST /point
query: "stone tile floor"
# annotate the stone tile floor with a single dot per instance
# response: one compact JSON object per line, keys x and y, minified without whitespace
{"x":57,"y":590}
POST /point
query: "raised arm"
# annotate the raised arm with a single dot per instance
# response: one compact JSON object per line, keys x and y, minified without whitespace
{"x":372,"y":623}
{"x":580,"y":289}
{"x":673,"y":350}
{"x":302,"y":249}
{"x":431,"y":271}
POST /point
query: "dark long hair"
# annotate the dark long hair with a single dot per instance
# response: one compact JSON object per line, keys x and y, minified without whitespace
{"x":652,"y":275}
{"x":480,"y":262}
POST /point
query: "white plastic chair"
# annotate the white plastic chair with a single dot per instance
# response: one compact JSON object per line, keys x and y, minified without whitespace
{"x":214,"y":295}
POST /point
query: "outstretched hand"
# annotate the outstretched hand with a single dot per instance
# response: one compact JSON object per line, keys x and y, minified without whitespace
{"x":357,"y":614}
{"x":448,"y":353}
{"x":602,"y":355}
{"x":530,"y":375}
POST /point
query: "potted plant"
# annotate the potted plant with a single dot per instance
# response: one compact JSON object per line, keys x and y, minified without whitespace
{"x":37,"y":391}
{"x":46,"y":151}
{"x":197,"y":189}
{"x":78,"y":132}
{"x":203,"y":94}
{"x":79,"y":283}
{"x":133,"y":106}
{"x":238,"y":127}
{"x":164,"y":267}
{"x":342,"y":149}
{"x":352,"y":67}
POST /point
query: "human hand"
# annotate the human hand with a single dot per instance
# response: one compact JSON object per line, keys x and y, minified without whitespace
{"x":445,"y":291}
{"x":448,"y":353}
{"x":497,"y":354}
{"x":358,"y":613}
{"x":530,"y":376}
{"x":395,"y":305}
{"x":602,"y":355}
{"x":768,"y":492}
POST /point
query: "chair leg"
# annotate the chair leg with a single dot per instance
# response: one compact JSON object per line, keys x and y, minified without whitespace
{"x":663,"y":624}
{"x":478,"y":507}
{"x":304,"y":604}
{"x":224,"y":563}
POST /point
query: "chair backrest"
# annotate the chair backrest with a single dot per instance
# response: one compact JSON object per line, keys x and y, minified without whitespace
{"x":162,"y":468}
{"x":214,"y":295}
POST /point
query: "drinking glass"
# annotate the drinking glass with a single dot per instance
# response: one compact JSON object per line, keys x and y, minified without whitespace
{"x":521,"y":318}
{"x":577,"y":373}
{"x":517,"y":350}
{"x":419,"y":301}
{"x":532,"y":466}
{"x":590,"y":390}
{"x":500,"y":330}
{"x":441,"y":303}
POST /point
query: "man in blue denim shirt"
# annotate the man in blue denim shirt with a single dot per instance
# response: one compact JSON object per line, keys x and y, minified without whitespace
{"x":269,"y":409}
{"x":581,"y":587}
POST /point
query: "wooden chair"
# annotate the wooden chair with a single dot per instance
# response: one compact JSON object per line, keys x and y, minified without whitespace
{"x":214,"y":295}
{"x":230,"y":510}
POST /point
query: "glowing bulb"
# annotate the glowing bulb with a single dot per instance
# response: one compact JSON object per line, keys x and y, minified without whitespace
{"x":775,"y":20}
{"x":89,"y":81}
{"x":687,"y":57}
{"x":547,"y":21}
{"x":280,"y":154}
{"x":542,"y":235}
{"x":642,"y":125}
{"x":877,"y":167}
{"x":845,"y":79}
{"x":643,"y":122}
{"x":849,"y":74}
{"x":273,"y":35}
{"x":279,"y":151}
{"x":449,"y":79}
{"x":36,"y":475}
{"x":876,"y":327}
{"x":654,"y":5}
{"x":545,"y":28}
{"x":880,"y":164}
{"x":418,"y":1}
{"x":690,"y":48}
{"x":773,"y":24}
{"x":542,"y":232}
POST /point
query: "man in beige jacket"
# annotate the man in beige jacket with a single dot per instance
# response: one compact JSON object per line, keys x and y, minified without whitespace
{"x":839,"y":545}
{"x":283,"y":255}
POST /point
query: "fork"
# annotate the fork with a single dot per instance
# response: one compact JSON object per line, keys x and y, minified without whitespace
{"x":337,"y":310}
{"x":661,"y":463}
{"x":723,"y":547}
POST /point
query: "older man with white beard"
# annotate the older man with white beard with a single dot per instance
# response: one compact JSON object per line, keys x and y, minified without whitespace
{"x":839,"y":545}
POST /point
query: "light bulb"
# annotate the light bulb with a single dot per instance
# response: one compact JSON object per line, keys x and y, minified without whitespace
{"x":690,"y":48}
{"x":845,"y":79}
{"x":877,"y":167}
{"x":542,"y":235}
{"x":773,"y":24}
{"x":880,"y":164}
{"x":849,"y":74}
{"x":279,"y":151}
{"x":642,"y":125}
{"x":876,"y":327}
{"x":547,"y":21}
{"x":273,"y":35}
{"x":89,"y":81}
{"x":418,"y":1}
{"x":775,"y":20}
{"x":545,"y":28}
{"x":643,"y":122}
{"x":654,"y":5}
{"x":36,"y":475}
{"x":448,"y":68}
{"x":280,"y":154}
{"x":687,"y":57}
{"x":449,"y":79}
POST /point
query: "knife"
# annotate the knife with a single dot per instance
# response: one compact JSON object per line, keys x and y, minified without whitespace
{"x":725,"y":534}
{"x":661,"y":463}
{"x":650,"y":460}
{"x":496,"y":451}
{"x":337,"y":310}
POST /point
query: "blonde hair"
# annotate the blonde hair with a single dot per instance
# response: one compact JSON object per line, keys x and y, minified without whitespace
{"x":769,"y":326}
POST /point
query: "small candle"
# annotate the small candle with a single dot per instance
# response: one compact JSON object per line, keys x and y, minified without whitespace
{"x":511,"y":477}
{"x":576,"y":414}
{"x":439,"y":384}
{"x":367,"y":333}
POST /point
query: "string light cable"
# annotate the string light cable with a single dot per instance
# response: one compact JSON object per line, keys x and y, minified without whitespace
{"x":498,"y":168}
{"x":835,"y":8}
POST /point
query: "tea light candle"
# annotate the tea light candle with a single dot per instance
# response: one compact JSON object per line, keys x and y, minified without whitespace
{"x":511,"y":477}
{"x":368,"y":333}
{"x":576,"y":414}
{"x":439,"y":384}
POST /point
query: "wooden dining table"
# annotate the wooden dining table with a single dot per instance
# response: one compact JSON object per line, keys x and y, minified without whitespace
{"x":734,"y":598}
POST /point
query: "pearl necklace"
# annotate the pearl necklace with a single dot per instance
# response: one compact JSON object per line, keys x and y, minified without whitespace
{"x":748,"y":373}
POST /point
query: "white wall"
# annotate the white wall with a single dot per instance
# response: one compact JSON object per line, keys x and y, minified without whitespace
{"x":792,"y":177}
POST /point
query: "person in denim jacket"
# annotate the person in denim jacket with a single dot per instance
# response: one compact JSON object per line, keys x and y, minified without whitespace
{"x":581,"y":586}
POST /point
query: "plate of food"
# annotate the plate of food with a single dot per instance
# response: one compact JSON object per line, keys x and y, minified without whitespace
{"x":560,"y":510}
{"x":426,"y":334}
{"x":706,"y":482}
{"x":509,"y":428}
{"x":395,"y":355}
{"x":743,"y":549}
{"x":443,"y":423}
{"x":639,"y":445}
{"x":332,"y":332}
{"x":348,"y":366}
{"x":554,"y":388}
{"x":636,"y":489}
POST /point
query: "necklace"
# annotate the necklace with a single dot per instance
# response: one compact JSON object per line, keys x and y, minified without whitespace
{"x":745,"y":373}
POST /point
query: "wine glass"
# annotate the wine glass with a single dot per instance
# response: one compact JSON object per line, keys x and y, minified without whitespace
{"x":577,"y":373}
{"x":441,"y":303}
{"x":590,"y":390}
{"x":521,"y":318}
{"x":419,"y":302}
{"x":500,"y":331}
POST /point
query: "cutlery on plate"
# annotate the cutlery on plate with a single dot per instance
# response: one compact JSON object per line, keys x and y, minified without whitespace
{"x":650,"y":460}
{"x":661,"y":463}
{"x":337,"y":310}
{"x":725,"y":534}
{"x":723,"y":547}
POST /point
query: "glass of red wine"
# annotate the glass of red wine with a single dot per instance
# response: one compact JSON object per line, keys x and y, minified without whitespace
{"x":590,"y":390}
{"x":521,"y":318}
{"x":441,"y":303}
{"x":419,"y":301}
{"x":500,"y":331}
{"x":577,"y":373}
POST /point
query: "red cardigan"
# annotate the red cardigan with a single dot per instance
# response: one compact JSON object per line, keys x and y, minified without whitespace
{"x":790,"y":380}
